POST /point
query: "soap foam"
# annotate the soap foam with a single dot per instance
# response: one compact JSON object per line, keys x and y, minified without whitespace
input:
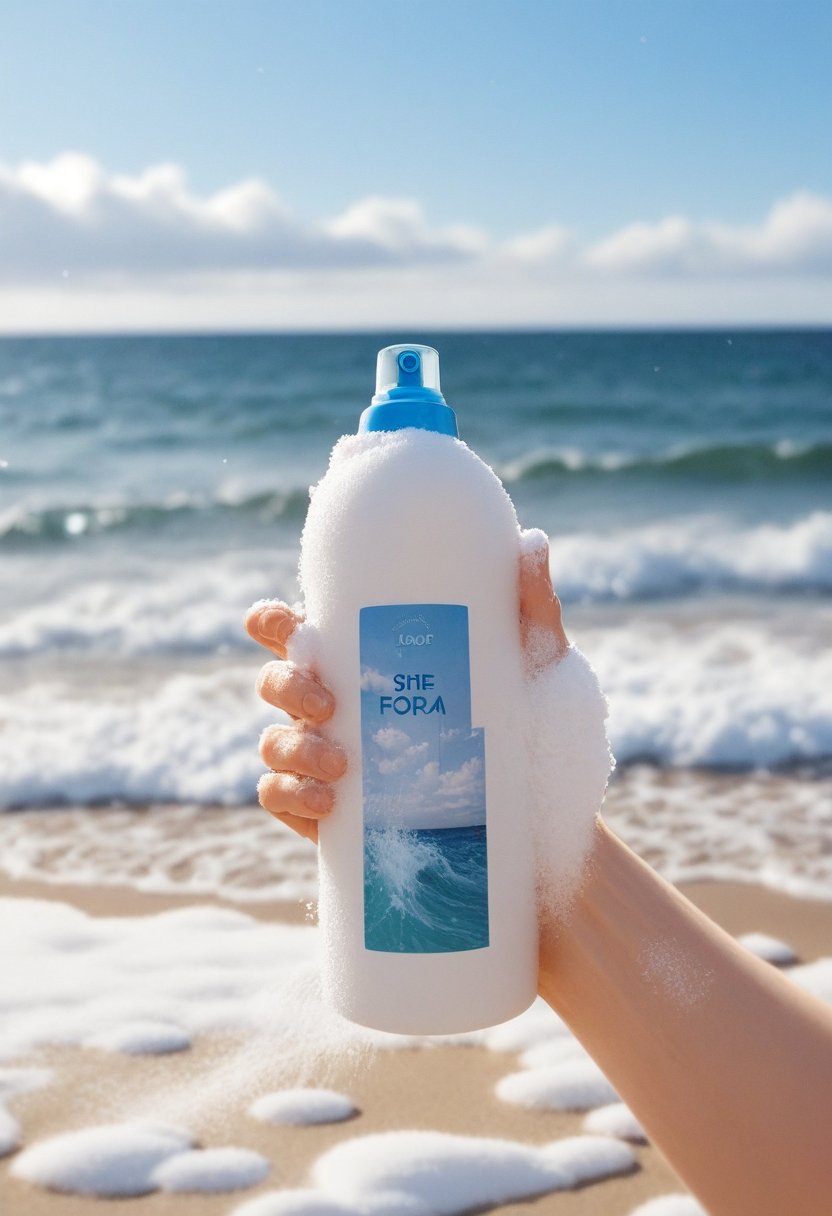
{"x":769,"y":949}
{"x":815,"y":977}
{"x":136,"y":1158}
{"x":10,"y":1133}
{"x":569,"y":763}
{"x":425,"y":1173}
{"x":534,"y":543}
{"x":615,"y":1120}
{"x":196,"y":971}
{"x":114,"y":1160}
{"x":302,"y":1107}
{"x":23,"y":1080}
{"x":75,"y":972}
{"x":212,"y":1170}
{"x":677,"y":1204}
{"x":141,"y":1039}
{"x":574,"y":1084}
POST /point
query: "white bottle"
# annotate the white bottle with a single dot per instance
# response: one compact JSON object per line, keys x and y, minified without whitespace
{"x":409,"y":574}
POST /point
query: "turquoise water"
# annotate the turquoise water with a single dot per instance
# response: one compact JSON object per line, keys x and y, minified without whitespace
{"x":152,"y":487}
{"x":426,"y":890}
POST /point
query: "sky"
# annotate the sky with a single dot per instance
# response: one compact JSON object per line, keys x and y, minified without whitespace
{"x":241,"y":164}
{"x":420,"y":769}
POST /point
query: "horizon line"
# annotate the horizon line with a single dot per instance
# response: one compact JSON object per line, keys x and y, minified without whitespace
{"x":361,"y":331}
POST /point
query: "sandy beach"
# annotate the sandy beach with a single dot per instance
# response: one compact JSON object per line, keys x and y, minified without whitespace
{"x":443,"y":1088}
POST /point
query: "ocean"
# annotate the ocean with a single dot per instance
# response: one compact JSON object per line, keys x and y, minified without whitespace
{"x":152,"y":487}
{"x":425,"y":890}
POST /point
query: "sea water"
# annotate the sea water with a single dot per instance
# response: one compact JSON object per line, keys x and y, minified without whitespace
{"x":426,"y":889}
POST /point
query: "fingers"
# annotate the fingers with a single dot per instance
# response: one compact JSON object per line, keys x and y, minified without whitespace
{"x":290,"y":750}
{"x":540,"y":612}
{"x":288,"y":794}
{"x":290,"y":799}
{"x":300,"y":792}
{"x":297,"y":691}
{"x":272,"y":623}
{"x":303,"y":827}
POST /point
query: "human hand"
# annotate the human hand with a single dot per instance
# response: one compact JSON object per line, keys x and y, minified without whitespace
{"x":303,"y":764}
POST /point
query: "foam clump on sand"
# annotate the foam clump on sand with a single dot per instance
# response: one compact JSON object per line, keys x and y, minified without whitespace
{"x":132,"y":983}
{"x":128,"y":1159}
{"x":554,"y":1051}
{"x":23,"y":1080}
{"x":10,"y":1133}
{"x":306,"y":1202}
{"x":141,"y":1038}
{"x":677,"y":1204}
{"x":815,"y":977}
{"x":115,"y":1160}
{"x":559,"y":1074}
{"x":425,"y":1173}
{"x":211,"y":1170}
{"x":302,"y":1107}
{"x":538,"y":1024}
{"x":770,"y":949}
{"x":615,"y":1120}
{"x":17,"y":1081}
{"x":574,"y":1084}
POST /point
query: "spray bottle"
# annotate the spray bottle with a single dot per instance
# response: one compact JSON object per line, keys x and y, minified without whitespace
{"x":409,"y":572}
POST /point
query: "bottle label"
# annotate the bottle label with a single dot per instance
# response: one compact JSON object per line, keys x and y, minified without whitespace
{"x":423,"y":769}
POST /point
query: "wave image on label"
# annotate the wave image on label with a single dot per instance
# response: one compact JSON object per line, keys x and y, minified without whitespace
{"x":423,"y":770}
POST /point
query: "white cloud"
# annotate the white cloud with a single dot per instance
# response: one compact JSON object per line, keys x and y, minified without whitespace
{"x":795,"y":236}
{"x":85,"y":248}
{"x":544,"y":245}
{"x":389,"y":738}
{"x":461,"y":787}
{"x":373,"y":681}
{"x":404,"y":761}
{"x":72,"y":215}
{"x":68,"y":183}
{"x":400,"y":226}
{"x":425,"y":796}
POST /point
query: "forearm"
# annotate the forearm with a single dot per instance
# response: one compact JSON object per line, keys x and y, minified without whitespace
{"x":726,"y":1063}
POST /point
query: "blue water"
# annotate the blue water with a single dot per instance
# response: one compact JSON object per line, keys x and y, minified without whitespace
{"x":152,"y":487}
{"x":220,"y":437}
{"x":425,"y":891}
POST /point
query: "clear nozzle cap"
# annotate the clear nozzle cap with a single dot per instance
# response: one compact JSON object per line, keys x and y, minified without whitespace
{"x":407,"y":366}
{"x":408,"y":392}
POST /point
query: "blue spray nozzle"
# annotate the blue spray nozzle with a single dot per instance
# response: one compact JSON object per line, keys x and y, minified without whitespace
{"x":407,"y":392}
{"x":410,"y":368}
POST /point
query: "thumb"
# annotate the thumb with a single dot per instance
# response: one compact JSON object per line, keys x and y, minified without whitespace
{"x":543,"y":636}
